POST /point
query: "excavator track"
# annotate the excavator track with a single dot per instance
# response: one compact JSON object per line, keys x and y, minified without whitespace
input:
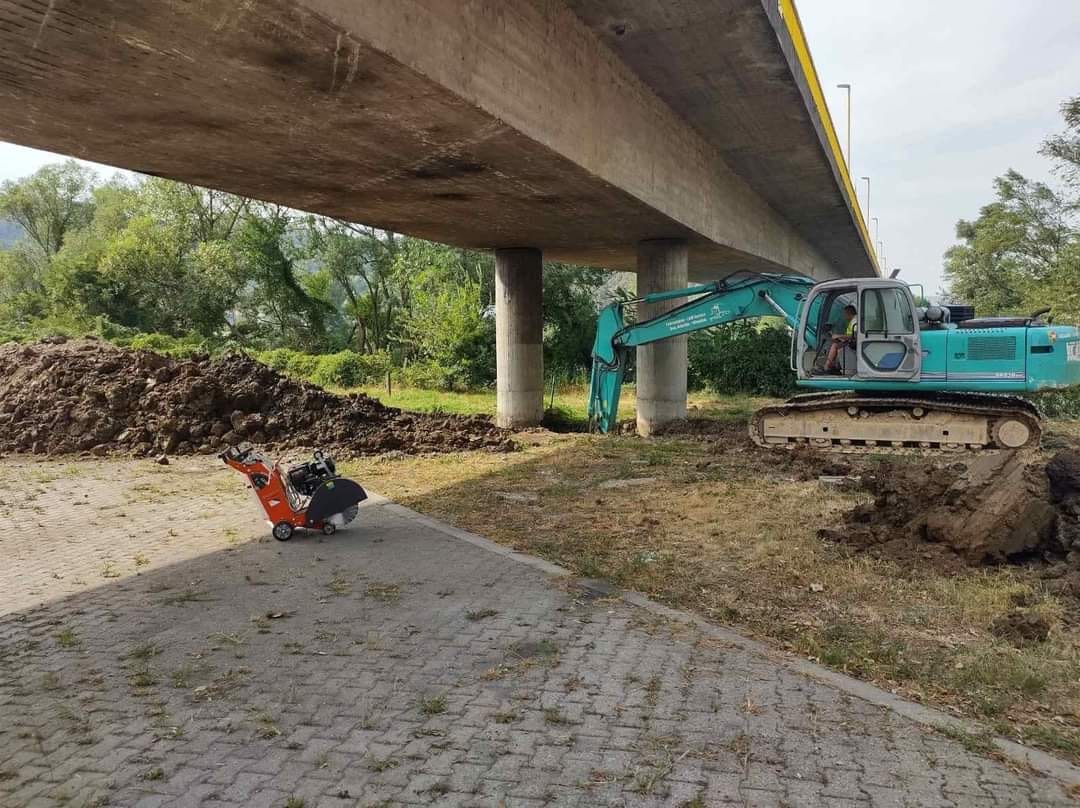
{"x":860,"y":422}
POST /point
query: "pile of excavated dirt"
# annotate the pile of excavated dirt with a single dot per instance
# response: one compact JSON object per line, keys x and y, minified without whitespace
{"x":980,"y":510}
{"x":60,"y":397}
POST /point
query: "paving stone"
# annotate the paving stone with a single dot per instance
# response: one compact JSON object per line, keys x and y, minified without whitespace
{"x":265,"y":682}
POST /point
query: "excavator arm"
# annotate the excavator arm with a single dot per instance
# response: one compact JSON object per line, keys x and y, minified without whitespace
{"x":737,"y":297}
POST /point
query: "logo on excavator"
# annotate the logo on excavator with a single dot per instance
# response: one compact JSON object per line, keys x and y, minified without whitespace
{"x":1072,"y":351}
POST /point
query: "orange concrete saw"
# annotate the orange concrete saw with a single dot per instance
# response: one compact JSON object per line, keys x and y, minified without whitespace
{"x":309,"y":495}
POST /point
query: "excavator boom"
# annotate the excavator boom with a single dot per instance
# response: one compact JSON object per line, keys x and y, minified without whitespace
{"x":737,"y":297}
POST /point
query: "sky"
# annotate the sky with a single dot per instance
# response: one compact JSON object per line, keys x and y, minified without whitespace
{"x":946,"y":95}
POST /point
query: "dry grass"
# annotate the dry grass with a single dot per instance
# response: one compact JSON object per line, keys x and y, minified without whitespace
{"x":732,"y":535}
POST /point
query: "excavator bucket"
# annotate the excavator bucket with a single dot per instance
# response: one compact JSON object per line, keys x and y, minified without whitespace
{"x":609,"y":367}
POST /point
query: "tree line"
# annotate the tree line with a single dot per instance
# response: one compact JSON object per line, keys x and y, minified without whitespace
{"x":1022,"y":252}
{"x":176,"y":267}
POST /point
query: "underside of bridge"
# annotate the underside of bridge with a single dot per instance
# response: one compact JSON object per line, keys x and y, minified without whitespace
{"x":576,"y":129}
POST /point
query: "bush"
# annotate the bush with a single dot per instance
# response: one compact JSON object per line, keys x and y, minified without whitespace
{"x":342,"y":369}
{"x":429,"y":375}
{"x":350,"y":369}
{"x":175,"y":347}
{"x":278,"y":359}
{"x":741,"y":358}
{"x":298,"y":365}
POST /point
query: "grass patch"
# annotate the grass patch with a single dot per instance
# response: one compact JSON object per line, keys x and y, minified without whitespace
{"x":553,"y":715}
{"x":339,"y":585}
{"x":67,"y":638}
{"x":1059,"y":739}
{"x":481,"y":614}
{"x":142,"y":677}
{"x":384,"y":593}
{"x":383,"y":764}
{"x":143,"y":651}
{"x":433,"y":705}
{"x":189,"y":595}
{"x":979,"y":743}
{"x":266,"y":727}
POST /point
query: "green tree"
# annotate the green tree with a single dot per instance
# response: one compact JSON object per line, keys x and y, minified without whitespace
{"x":373,"y":285}
{"x":277,"y":307}
{"x":1021,"y":253}
{"x":448,"y":328}
{"x":571,"y":303}
{"x":49,"y":204}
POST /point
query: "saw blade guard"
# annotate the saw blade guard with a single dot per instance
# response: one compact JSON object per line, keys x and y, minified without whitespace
{"x":334,"y":498}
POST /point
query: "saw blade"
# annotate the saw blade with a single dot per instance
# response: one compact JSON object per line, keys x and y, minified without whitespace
{"x":346,"y":516}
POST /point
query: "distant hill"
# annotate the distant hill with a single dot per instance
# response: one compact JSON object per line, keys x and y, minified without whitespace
{"x":9,"y":233}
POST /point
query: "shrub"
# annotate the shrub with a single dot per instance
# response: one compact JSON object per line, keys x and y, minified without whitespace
{"x":175,"y":347}
{"x":350,"y":369}
{"x":278,"y":358}
{"x":740,"y":357}
{"x":301,"y":365}
{"x":427,"y":375}
{"x":342,"y":369}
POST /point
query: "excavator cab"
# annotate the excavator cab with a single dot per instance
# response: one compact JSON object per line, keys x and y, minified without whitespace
{"x":886,"y":345}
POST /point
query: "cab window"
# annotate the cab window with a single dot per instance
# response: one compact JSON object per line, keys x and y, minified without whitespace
{"x":886,"y":311}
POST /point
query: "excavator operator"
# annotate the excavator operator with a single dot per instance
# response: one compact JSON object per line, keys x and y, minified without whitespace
{"x":840,"y":340}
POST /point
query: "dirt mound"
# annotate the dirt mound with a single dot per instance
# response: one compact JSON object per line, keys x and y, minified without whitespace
{"x":59,"y":397}
{"x":1021,"y":627}
{"x":987,"y":509}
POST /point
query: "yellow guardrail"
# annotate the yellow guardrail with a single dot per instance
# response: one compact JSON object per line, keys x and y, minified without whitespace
{"x":794,"y":27}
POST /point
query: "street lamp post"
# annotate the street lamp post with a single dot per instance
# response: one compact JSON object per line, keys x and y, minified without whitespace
{"x":867,"y":194}
{"x":848,"y":88}
{"x":877,"y":230}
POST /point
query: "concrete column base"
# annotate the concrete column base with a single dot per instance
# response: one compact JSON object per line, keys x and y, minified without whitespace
{"x":519,"y":337}
{"x":661,"y":367}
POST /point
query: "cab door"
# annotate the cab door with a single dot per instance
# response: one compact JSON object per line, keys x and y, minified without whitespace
{"x":887,"y":337}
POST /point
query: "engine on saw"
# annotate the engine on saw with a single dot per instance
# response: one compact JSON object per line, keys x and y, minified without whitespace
{"x":307,"y":477}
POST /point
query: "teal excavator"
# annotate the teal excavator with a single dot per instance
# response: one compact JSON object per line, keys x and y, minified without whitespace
{"x":904,"y":377}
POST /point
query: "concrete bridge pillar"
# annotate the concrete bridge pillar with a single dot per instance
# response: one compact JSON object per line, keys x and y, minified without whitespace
{"x":661,"y":367}
{"x":519,"y":337}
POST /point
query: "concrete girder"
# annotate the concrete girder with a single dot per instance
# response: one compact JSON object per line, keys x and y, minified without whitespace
{"x":485,"y":124}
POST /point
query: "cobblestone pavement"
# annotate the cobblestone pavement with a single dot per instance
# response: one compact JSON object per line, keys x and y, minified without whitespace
{"x":392,"y":664}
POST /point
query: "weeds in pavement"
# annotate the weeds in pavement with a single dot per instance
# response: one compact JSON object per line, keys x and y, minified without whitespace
{"x":553,"y":715}
{"x":143,"y":651}
{"x":67,"y":638}
{"x":433,"y":705}
{"x":385,"y":593}
{"x":382,"y":764}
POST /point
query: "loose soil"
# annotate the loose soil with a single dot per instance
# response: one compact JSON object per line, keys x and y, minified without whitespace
{"x":982,"y":510}
{"x":61,"y":397}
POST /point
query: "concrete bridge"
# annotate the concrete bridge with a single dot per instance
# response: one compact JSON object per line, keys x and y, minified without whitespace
{"x":681,"y":139}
